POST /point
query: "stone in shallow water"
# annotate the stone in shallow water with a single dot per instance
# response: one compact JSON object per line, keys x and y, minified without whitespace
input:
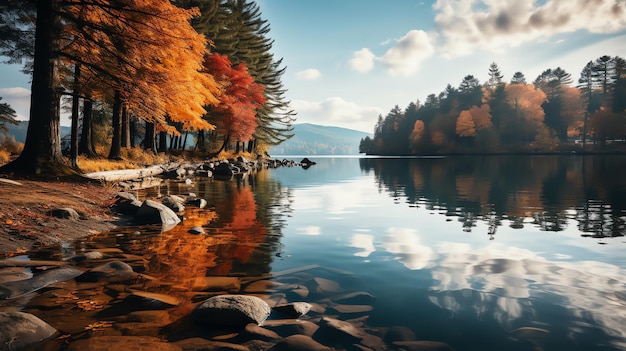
{"x":12,"y":274}
{"x":351,"y":308}
{"x":233,"y":310}
{"x":287,"y":327}
{"x":17,"y":288}
{"x":399,"y":333}
{"x":150,"y":300}
{"x":423,"y":346}
{"x":323,"y":286}
{"x":196,"y":230}
{"x":114,"y":271}
{"x":128,"y":343}
{"x":152,"y":212}
{"x":231,"y":284}
{"x":22,"y":331}
{"x":300,"y":343}
{"x":294,"y":309}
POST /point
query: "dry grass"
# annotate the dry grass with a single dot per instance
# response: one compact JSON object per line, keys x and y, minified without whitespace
{"x":131,"y":158}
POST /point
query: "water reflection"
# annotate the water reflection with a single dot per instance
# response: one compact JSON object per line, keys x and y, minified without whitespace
{"x":548,"y":190}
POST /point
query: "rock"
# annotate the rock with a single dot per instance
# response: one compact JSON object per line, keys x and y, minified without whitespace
{"x":287,"y":327}
{"x":196,"y":230}
{"x":200,"y":203}
{"x":294,"y":309}
{"x":12,"y":274}
{"x":15,"y":289}
{"x":306,"y":162}
{"x":399,"y":333}
{"x":91,"y":255}
{"x":153,"y":301}
{"x":23,"y":331}
{"x":300,"y":343}
{"x":199,"y":344}
{"x":231,"y":284}
{"x":423,"y":346}
{"x":65,"y":213}
{"x":323,"y":286}
{"x":224,"y":169}
{"x":233,"y":310}
{"x":131,"y":343}
{"x":173,"y":202}
{"x":127,"y":203}
{"x":152,"y":212}
{"x":253,"y":331}
{"x":114,"y":271}
{"x":351,"y":308}
{"x":355,"y":298}
{"x":337,"y":329}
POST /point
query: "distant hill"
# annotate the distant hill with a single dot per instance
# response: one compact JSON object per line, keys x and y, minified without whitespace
{"x":313,"y":139}
{"x":19,"y":130}
{"x":308,"y":139}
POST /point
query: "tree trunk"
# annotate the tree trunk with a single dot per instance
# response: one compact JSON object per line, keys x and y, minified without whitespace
{"x":200,"y":142}
{"x":162,"y":142}
{"x":74,"y":128}
{"x":132,"y":130}
{"x":42,"y":147}
{"x":149,"y":142}
{"x":85,"y":145}
{"x":116,"y":141}
{"x":125,"y":128}
{"x":185,"y":141}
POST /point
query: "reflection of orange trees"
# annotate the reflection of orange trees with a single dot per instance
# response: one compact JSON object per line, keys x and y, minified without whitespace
{"x":246,"y":231}
{"x":177,"y":256}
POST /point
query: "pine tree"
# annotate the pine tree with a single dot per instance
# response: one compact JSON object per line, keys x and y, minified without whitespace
{"x":495,"y":76}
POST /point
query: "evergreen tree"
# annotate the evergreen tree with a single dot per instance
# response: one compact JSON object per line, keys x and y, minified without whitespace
{"x":495,"y":76}
{"x":7,"y":115}
{"x":518,"y":78}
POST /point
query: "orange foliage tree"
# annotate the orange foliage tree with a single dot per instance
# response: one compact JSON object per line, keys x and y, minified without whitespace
{"x":148,"y":57}
{"x":236,"y":113}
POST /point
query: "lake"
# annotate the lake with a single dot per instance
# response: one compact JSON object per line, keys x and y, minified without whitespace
{"x":480,"y":253}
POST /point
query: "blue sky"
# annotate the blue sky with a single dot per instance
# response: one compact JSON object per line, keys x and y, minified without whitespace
{"x":349,"y":61}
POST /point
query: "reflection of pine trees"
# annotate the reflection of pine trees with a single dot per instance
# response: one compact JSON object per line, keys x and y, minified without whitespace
{"x":511,"y":188}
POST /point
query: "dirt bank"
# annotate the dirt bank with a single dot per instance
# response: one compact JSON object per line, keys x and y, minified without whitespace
{"x":24,"y":220}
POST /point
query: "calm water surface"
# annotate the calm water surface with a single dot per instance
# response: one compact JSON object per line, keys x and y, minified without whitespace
{"x":483,"y":253}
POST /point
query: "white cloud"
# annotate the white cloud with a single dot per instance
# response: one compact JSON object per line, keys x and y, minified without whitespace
{"x":309,"y":230}
{"x":364,"y":242}
{"x":309,"y":74}
{"x":408,"y":53}
{"x":406,"y":244}
{"x":18,"y":99}
{"x":336,"y":111}
{"x":496,"y":25}
{"x":362,"y":60}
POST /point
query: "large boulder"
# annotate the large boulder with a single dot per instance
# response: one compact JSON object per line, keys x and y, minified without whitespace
{"x":152,"y":212}
{"x":232,"y":310}
{"x":175,"y":203}
{"x":126,"y":203}
{"x":22,"y":331}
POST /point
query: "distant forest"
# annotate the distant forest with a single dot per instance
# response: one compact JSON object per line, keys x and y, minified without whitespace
{"x":548,"y":115}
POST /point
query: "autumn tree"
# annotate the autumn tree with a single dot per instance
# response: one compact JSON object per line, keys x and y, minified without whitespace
{"x":236,"y":113}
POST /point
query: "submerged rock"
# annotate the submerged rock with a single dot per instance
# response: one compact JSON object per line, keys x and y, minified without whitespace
{"x":294,"y":309}
{"x":134,"y":343}
{"x":22,"y":331}
{"x":233,"y":310}
{"x":300,"y":343}
{"x":114,"y":271}
{"x":15,"y":289}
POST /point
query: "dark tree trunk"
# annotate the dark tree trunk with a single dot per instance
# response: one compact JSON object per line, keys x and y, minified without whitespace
{"x":125,"y":128}
{"x":74,"y":128}
{"x":116,"y":141}
{"x":149,"y":139}
{"x":86,"y":146}
{"x":251,"y":145}
{"x":162,"y":142}
{"x":42,"y":147}
{"x":132,"y":130}
{"x":184,"y":141}
{"x":200,"y":142}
